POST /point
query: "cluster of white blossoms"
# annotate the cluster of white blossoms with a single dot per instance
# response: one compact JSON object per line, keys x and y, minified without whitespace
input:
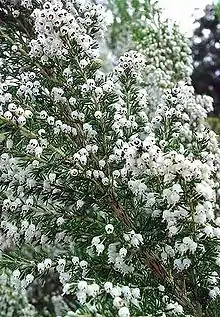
{"x":110,"y":201}
{"x":119,"y":296}
{"x":28,"y":89}
{"x":58,"y":24}
{"x":186,"y":173}
{"x":168,"y":49}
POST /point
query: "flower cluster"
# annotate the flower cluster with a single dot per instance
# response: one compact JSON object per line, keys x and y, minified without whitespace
{"x":121,"y":296}
{"x":57,"y":26}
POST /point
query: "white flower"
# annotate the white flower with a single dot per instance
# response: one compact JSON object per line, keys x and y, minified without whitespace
{"x":205,"y":190}
{"x":109,"y":228}
{"x":75,"y":260}
{"x":62,"y":262}
{"x":209,"y":230}
{"x":52,"y":177}
{"x":116,"y":291}
{"x":213,"y":293}
{"x":8,"y":115}
{"x":60,"y":221}
{"x":28,"y":114}
{"x":98,"y":115}
{"x":79,"y":203}
{"x":161,"y":288}
{"x":108,"y":287}
{"x":50,"y":120}
{"x":81,"y":296}
{"x":102,"y":163}
{"x":136,"y":240}
{"x":41,"y":267}
{"x":38,"y":151}
{"x":16,"y":273}
{"x":100,"y":248}
{"x":173,"y":230}
{"x":126,"y":291}
{"x":72,"y":101}
{"x":123,"y":312}
{"x":47,"y":263}
{"x":96,"y":241}
{"x":82,"y":285}
{"x":43,"y":114}
{"x":66,"y":289}
{"x":170,"y":306}
{"x":123,"y":252}
{"x":83,"y":264}
{"x":93,"y":290}
{"x":178,"y":309}
{"x":29,"y":278}
{"x":118,"y":302}
{"x":136,"y":292}
{"x":21,"y":120}
{"x":172,"y":196}
{"x":105,"y":181}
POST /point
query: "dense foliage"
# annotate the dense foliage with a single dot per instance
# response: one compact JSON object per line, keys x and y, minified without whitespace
{"x":109,"y":181}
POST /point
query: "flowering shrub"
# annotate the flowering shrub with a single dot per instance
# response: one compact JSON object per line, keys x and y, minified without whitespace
{"x":121,"y":209}
{"x":140,"y":25}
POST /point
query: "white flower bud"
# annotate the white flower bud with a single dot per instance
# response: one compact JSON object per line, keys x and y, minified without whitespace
{"x":8,"y":115}
{"x":75,"y":260}
{"x":83,"y":264}
{"x":108,"y":287}
{"x":98,"y":115}
{"x":28,"y":114}
{"x":109,"y":228}
{"x":16,"y":273}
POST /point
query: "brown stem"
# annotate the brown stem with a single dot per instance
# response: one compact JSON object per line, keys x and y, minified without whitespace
{"x":120,"y":213}
{"x":151,"y":261}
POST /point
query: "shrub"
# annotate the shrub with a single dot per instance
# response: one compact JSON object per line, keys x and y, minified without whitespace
{"x":121,"y":209}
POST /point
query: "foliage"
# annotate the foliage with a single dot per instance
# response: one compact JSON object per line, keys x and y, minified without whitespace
{"x":114,"y":210}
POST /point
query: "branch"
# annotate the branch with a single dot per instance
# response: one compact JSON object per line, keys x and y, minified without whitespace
{"x":151,"y":261}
